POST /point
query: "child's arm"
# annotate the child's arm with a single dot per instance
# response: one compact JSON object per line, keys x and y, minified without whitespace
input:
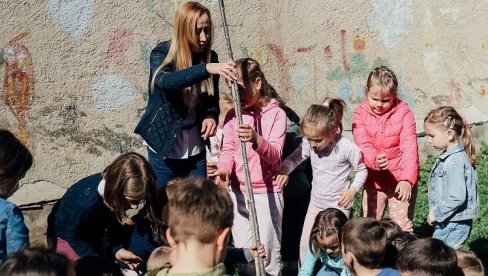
{"x":356,"y":160}
{"x":270,"y":149}
{"x":409,"y":149}
{"x":454,"y":186}
{"x":308,"y":264}
{"x":17,"y":234}
{"x":300,"y":154}
{"x":227,"y":148}
{"x":364,"y":142}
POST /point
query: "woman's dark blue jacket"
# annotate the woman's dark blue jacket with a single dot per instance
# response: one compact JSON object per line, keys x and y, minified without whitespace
{"x":166,"y":111}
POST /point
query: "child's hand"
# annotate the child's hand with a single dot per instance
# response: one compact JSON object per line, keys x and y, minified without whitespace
{"x":282,"y":179}
{"x":404,"y":191}
{"x":131,"y":260}
{"x":247,"y":134}
{"x":430,"y":219}
{"x":260,"y":252}
{"x":223,"y":178}
{"x":347,"y":197}
{"x":211,"y":169}
{"x":209,"y":127}
{"x":381,"y":161}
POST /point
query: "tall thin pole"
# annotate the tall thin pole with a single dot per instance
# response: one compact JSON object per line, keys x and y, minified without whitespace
{"x":251,"y":207}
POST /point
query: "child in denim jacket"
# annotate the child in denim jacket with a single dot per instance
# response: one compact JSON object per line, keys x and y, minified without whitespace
{"x":453,"y":194}
{"x":15,"y":160}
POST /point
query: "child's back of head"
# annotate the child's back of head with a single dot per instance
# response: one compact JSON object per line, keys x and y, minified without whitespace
{"x":428,"y":257}
{"x":160,"y":257}
{"x":396,"y":242}
{"x":198,"y":209}
{"x":363,"y":239}
{"x":469,"y":263}
{"x":37,"y":261}
{"x":15,"y":160}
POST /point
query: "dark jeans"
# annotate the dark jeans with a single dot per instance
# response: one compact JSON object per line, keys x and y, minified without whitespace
{"x":168,"y":168}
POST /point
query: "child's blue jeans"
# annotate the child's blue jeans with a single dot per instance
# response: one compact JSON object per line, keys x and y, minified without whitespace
{"x":453,"y":233}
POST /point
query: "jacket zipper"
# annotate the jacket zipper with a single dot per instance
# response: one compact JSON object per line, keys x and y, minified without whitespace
{"x":154,"y":118}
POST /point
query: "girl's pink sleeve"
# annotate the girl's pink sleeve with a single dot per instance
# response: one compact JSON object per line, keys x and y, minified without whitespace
{"x":363,"y":141}
{"x":228,"y":147}
{"x":271,"y":149}
{"x":409,"y":148}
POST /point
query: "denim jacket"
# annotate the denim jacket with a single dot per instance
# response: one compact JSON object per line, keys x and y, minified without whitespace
{"x":14,"y":235}
{"x":453,"y":193}
{"x":166,"y":111}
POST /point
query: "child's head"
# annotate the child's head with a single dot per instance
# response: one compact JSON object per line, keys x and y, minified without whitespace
{"x":200,"y":211}
{"x":429,"y":257}
{"x":254,"y":89}
{"x":15,"y":160}
{"x":381,"y":90}
{"x":160,"y":257}
{"x":363,"y":242}
{"x":390,"y":227}
{"x":396,"y":242}
{"x":321,"y":123}
{"x":326,"y":232}
{"x":37,"y":261}
{"x":444,"y":126}
{"x":130,"y":186}
{"x":470,"y":263}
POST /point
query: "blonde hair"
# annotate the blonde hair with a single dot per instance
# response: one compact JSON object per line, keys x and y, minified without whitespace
{"x":160,"y":257}
{"x":324,"y":119}
{"x":226,"y":101}
{"x":470,"y":263}
{"x":384,"y":78}
{"x":184,"y":40}
{"x":447,"y":117}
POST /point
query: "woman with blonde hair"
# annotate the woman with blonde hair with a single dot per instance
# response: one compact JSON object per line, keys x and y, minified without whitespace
{"x":183,"y":107}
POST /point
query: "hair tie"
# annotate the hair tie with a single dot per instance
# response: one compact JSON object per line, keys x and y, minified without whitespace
{"x":449,"y":122}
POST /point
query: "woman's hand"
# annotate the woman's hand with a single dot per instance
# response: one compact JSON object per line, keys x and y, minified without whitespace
{"x":225,"y":69}
{"x":131,"y":260}
{"x":209,"y":127}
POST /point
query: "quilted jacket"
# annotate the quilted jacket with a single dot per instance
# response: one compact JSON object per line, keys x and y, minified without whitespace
{"x":166,"y":111}
{"x":393,"y":134}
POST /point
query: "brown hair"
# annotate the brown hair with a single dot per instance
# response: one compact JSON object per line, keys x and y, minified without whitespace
{"x":198,"y":208}
{"x":366,"y":239}
{"x":249,"y":69}
{"x":324,"y":119}
{"x":390,"y":227}
{"x":429,"y":257}
{"x":470,"y":263}
{"x":184,"y":40}
{"x":383,"y":78}
{"x":130,"y":175}
{"x":447,"y":117}
{"x":36,"y":261}
{"x":15,"y":161}
{"x":328,"y":222}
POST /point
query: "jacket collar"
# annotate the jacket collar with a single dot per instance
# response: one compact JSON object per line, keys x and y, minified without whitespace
{"x":457,"y":148}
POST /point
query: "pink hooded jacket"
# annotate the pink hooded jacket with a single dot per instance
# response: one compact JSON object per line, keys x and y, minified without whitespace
{"x":393,"y":134}
{"x":265,"y":161}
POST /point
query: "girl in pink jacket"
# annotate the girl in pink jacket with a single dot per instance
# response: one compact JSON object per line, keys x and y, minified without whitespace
{"x":263,"y":130}
{"x":384,"y":128}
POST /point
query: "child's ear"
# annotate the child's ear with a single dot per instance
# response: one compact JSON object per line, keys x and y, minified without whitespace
{"x":222,"y":239}
{"x":451,"y":135}
{"x":170,"y":239}
{"x":348,"y":258}
{"x":258,"y":82}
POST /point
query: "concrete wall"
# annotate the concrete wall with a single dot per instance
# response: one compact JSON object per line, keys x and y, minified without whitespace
{"x":75,"y":72}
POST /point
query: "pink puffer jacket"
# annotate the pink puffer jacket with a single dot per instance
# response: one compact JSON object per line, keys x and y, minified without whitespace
{"x":393,"y":134}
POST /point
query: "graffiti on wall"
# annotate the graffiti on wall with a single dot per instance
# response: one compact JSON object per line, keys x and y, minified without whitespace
{"x":121,"y":41}
{"x":74,"y":16}
{"x":112,"y":93}
{"x":392,"y":19}
{"x":18,"y":81}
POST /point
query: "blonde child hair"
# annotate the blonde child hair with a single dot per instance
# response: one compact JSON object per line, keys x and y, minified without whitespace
{"x":446,"y":117}
{"x":324,"y":119}
{"x":160,"y":257}
{"x":384,"y":78}
{"x":470,"y":263}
